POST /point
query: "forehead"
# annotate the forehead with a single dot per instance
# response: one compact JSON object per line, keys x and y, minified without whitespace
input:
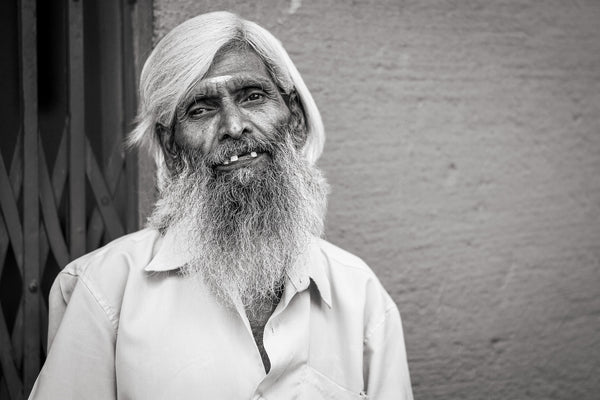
{"x":236,"y":61}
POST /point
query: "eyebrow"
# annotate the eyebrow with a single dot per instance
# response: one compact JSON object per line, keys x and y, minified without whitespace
{"x":208,"y":88}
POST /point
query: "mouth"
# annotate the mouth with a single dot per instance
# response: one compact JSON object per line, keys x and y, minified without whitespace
{"x":242,"y":160}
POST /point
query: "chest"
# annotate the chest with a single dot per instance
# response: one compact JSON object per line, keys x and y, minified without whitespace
{"x":173,"y":348}
{"x":258,"y":321}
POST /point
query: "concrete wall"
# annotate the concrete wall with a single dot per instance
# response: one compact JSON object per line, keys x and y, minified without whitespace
{"x":464,"y":154}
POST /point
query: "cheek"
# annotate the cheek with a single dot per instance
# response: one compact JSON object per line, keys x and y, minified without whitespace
{"x":194,"y":135}
{"x":270,"y":118}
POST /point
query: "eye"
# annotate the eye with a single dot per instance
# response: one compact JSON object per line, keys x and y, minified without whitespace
{"x":197,"y":110}
{"x":255,"y":96}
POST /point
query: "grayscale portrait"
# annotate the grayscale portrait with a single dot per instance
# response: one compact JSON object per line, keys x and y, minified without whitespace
{"x":300,"y":200}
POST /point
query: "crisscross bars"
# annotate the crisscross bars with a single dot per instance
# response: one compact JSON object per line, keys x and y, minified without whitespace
{"x":43,"y":207}
{"x":8,"y":198}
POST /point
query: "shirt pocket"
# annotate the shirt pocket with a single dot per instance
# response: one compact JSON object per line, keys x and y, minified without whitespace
{"x":318,"y":386}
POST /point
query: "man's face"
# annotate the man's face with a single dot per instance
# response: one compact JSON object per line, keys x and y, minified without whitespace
{"x":236,"y":98}
{"x":241,"y":198}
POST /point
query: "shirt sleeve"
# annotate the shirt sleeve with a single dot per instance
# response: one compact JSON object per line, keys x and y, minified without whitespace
{"x":82,"y":334}
{"x":386,"y":367}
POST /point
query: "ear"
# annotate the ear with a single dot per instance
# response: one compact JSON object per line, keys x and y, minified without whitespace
{"x":297,"y":119}
{"x":166,"y":136}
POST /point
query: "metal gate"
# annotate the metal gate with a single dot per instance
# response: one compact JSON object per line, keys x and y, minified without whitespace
{"x":66,"y":184}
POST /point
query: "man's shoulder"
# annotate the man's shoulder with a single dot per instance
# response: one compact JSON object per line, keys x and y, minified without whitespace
{"x":128,"y":249}
{"x":105,"y":271}
{"x":340,"y":259}
{"x":352,"y":279}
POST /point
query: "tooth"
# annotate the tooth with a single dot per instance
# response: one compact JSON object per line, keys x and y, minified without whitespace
{"x":253,"y":154}
{"x":226,"y":162}
{"x":234,"y":158}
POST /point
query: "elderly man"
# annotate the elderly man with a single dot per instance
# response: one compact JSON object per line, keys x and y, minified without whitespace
{"x":229,"y":293}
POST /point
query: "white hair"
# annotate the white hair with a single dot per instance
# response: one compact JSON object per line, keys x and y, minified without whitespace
{"x":184,"y":56}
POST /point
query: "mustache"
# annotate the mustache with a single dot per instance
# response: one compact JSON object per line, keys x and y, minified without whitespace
{"x":243,"y":145}
{"x":246,"y":143}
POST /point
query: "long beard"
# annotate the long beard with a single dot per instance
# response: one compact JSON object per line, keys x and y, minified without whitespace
{"x":245,"y":228}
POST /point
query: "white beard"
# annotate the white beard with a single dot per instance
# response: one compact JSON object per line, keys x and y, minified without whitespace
{"x":246,"y":228}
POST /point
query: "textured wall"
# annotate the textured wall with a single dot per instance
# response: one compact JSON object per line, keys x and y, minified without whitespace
{"x":464,"y":154}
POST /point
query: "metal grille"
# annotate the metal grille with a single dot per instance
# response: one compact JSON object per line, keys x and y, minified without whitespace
{"x":51,"y":214}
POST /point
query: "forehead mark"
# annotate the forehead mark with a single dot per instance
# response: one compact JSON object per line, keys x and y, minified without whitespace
{"x":216,"y":79}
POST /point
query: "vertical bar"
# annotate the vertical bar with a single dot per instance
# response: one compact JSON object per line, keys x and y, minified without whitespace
{"x":145,"y":170}
{"x":131,"y":169}
{"x":31,"y":270}
{"x":129,"y":102}
{"x":110,"y":21}
{"x":77,"y":204}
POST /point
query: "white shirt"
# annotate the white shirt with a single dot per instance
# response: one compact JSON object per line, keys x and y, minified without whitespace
{"x":125,"y":325}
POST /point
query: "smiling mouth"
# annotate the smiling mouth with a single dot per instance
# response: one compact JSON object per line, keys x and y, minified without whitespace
{"x":242,"y":160}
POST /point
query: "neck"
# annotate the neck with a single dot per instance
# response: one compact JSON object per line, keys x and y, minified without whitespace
{"x":258,"y":316}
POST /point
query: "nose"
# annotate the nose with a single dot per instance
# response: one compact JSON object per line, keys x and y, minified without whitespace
{"x":233,"y":122}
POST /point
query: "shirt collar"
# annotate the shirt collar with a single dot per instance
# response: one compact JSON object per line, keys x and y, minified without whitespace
{"x":310,"y":266}
{"x":169,"y":256}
